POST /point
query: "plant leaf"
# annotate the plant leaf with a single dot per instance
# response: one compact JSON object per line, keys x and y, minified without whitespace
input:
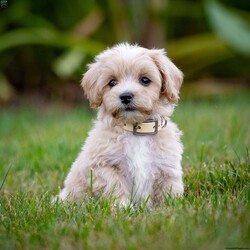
{"x":206,"y":49}
{"x":68,"y":63}
{"x":229,"y":26}
{"x":48,"y":37}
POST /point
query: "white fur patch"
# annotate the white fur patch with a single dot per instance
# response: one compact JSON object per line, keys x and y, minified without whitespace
{"x":139,"y":162}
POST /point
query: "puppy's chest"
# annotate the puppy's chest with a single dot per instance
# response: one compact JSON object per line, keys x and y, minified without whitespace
{"x":138,"y":156}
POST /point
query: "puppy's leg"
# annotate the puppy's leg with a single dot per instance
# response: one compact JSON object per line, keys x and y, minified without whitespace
{"x":109,"y":181}
{"x":174,"y":186}
{"x":106,"y":181}
{"x":168,"y":185}
{"x":75,"y":184}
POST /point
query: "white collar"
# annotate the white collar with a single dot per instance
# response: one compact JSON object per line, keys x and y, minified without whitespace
{"x":149,"y":127}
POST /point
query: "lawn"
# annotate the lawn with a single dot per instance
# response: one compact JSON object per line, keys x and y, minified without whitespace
{"x":38,"y":145}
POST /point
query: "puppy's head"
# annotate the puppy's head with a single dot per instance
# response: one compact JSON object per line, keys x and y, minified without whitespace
{"x":130,"y":82}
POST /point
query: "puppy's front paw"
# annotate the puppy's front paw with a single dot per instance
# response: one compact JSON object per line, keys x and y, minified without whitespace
{"x":64,"y":195}
{"x":55,"y":199}
{"x":123,"y":203}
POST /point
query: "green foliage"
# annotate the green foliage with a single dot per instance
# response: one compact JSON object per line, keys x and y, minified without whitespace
{"x":229,"y":26}
{"x":38,"y":146}
{"x":204,"y":48}
{"x":47,"y":37}
{"x":52,"y":41}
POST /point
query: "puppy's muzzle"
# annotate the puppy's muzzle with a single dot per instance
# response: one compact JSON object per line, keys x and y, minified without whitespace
{"x":126,"y":97}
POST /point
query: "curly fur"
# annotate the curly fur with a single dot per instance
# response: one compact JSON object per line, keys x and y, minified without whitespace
{"x":129,"y":167}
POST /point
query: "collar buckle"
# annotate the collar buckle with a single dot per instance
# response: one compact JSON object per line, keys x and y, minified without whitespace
{"x":136,"y":128}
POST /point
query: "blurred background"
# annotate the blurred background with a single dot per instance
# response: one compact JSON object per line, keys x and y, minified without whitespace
{"x":45,"y":45}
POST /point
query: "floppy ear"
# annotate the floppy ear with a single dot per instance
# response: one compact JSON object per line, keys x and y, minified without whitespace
{"x":90,"y":85}
{"x":172,"y":77}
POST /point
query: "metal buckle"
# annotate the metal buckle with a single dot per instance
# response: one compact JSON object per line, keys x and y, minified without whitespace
{"x":136,"y":127}
{"x":165,"y":122}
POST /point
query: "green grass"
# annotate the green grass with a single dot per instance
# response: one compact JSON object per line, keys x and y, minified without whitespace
{"x":36,"y":151}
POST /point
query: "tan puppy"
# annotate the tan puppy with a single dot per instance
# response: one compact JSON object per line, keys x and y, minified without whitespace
{"x":134,"y":151}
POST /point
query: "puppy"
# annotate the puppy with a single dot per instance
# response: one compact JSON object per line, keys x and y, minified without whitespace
{"x":133,"y":152}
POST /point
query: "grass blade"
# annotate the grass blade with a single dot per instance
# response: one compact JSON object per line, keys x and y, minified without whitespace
{"x":4,"y":179}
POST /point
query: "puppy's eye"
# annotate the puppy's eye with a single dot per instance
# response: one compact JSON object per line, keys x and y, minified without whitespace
{"x":112,"y":83}
{"x":145,"y":81}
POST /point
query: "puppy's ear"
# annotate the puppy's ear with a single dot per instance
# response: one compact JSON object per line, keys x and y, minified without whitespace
{"x":90,"y":85}
{"x":172,"y":77}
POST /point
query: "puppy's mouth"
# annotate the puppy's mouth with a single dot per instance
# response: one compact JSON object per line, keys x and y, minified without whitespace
{"x":130,"y":112}
{"x":129,"y":109}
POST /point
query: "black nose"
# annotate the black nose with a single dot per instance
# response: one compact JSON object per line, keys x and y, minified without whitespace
{"x":126,"y":97}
